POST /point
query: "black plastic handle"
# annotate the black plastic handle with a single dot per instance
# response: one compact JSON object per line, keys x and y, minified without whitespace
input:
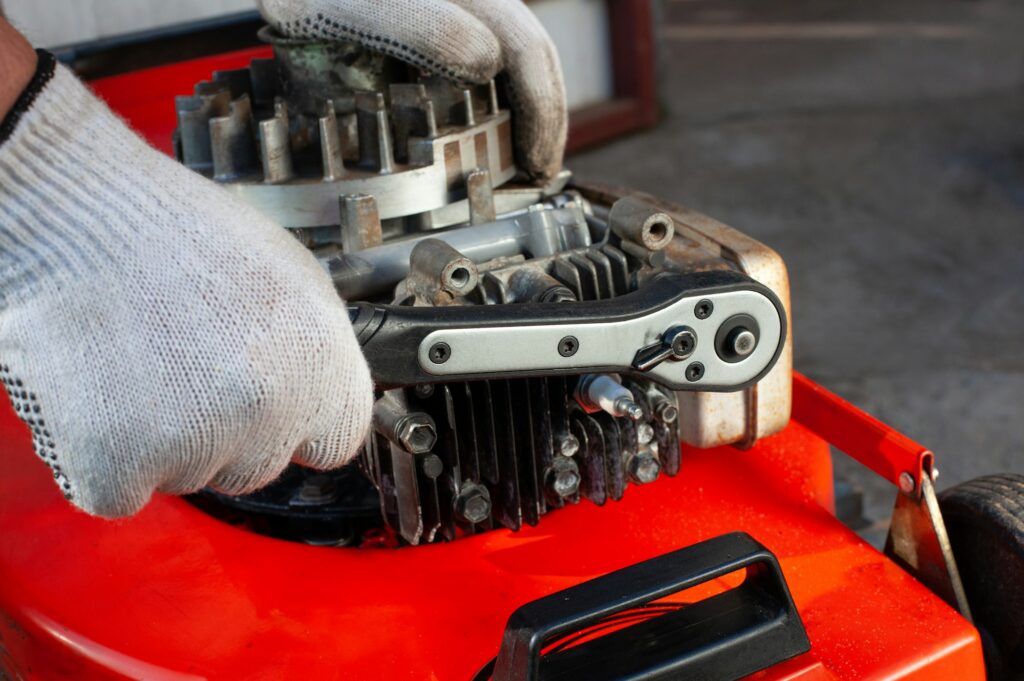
{"x":722,"y":638}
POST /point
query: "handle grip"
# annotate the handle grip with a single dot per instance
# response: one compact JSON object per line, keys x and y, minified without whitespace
{"x":722,"y":638}
{"x":410,"y":345}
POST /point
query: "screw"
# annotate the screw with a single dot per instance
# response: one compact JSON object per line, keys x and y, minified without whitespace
{"x":682,"y":342}
{"x":473,"y":503}
{"x":907,"y":484}
{"x":703,"y":309}
{"x":743,"y":342}
{"x":569,"y":446}
{"x":644,"y":433}
{"x":439,"y":353}
{"x":643,"y":467}
{"x":695,"y":372}
{"x":424,"y":390}
{"x":568,"y":346}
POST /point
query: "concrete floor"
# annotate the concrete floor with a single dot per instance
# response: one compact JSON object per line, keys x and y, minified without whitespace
{"x":879,"y":147}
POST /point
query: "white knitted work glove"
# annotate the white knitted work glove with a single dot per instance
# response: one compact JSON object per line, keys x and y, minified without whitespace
{"x":156,"y":333}
{"x":465,"y":40}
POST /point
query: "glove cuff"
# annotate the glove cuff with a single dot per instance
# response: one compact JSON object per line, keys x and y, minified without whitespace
{"x":46,"y":64}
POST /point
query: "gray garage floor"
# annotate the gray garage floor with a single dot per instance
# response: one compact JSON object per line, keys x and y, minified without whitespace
{"x":879,"y":146}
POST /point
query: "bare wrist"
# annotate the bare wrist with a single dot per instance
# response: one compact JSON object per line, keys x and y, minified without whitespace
{"x":17,"y":65}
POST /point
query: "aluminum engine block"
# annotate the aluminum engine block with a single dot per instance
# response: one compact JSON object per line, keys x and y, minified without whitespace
{"x":405,"y":188}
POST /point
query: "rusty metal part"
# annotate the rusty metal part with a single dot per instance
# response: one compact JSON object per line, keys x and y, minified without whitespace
{"x":275,"y":146}
{"x":232,"y":148}
{"x":360,"y":223}
{"x":330,"y":143}
{"x":636,"y":221}
{"x":311,"y":71}
{"x":481,"y":197}
{"x":438,"y":273}
{"x":918,"y":542}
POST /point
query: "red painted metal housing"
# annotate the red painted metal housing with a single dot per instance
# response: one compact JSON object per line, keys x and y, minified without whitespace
{"x":175,"y":594}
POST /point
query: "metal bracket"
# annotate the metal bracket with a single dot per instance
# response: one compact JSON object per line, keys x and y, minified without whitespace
{"x":918,"y":543}
{"x":917,"y":538}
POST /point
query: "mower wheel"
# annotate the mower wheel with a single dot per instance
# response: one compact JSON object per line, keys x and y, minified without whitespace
{"x":984,"y":518}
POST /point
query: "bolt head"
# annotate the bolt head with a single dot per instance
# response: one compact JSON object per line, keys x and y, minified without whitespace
{"x":907,"y":483}
{"x":417,"y":436}
{"x":569,"y":446}
{"x":644,"y":433}
{"x":473,"y":504}
{"x":644,"y":468}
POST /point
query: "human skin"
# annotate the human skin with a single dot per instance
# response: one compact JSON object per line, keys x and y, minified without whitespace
{"x":17,"y":64}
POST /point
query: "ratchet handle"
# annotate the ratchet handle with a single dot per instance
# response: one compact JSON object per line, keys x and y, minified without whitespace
{"x":410,"y":345}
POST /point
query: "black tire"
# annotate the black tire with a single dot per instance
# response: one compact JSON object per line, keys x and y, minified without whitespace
{"x":985,"y":521}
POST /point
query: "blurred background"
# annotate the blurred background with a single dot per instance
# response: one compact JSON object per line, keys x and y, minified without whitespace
{"x":877,"y":145}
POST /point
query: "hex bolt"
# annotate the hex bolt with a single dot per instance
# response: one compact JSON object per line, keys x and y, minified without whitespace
{"x":907,"y":483}
{"x":568,"y":346}
{"x":563,"y":477}
{"x":413,"y":431}
{"x":439,"y":353}
{"x":643,"y":467}
{"x":694,"y":372}
{"x":473,"y":504}
{"x":644,"y":433}
{"x":703,"y":309}
{"x":417,"y":434}
{"x":568,"y":446}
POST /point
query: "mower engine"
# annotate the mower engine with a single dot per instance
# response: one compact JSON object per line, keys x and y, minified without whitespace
{"x":531,"y":344}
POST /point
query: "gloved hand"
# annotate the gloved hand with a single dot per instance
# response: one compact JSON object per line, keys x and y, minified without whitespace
{"x":156,"y":333}
{"x":465,"y":40}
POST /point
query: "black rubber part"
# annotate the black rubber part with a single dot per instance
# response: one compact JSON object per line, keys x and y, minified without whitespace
{"x":985,"y":521}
